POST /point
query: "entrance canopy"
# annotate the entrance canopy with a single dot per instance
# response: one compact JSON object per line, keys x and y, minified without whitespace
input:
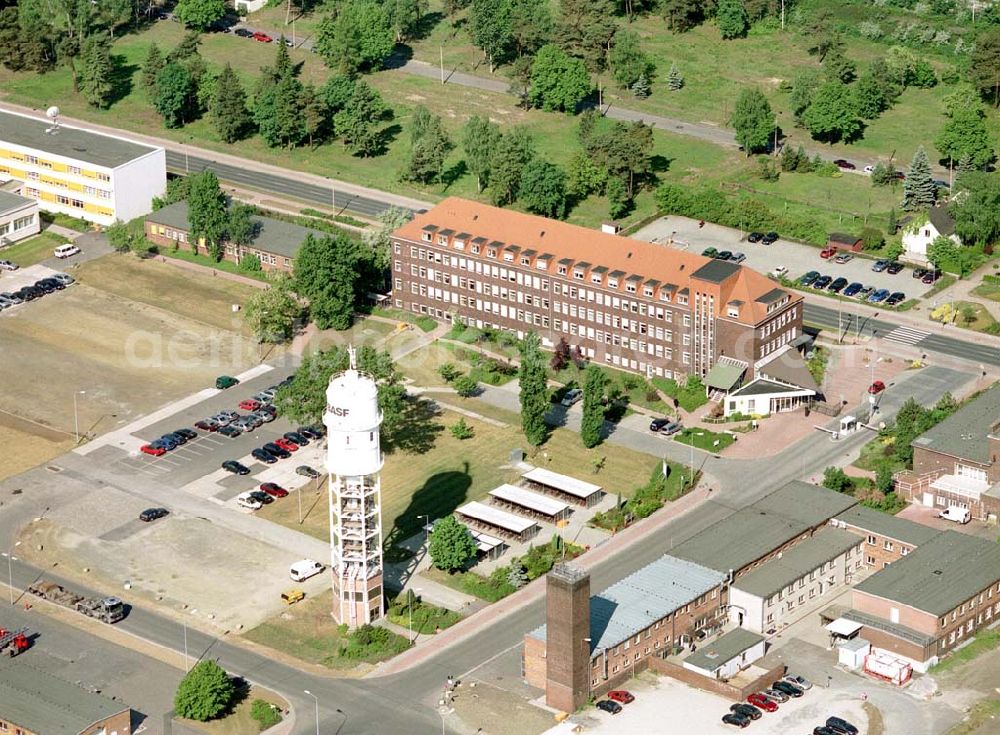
{"x":844,"y":627}
{"x":724,"y":375}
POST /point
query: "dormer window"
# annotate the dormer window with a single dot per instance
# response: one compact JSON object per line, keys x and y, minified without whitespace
{"x":630,"y":287}
{"x":426,"y":237}
{"x":562,"y":270}
{"x":578,"y":274}
{"x":596,"y":278}
{"x":647,"y":292}
{"x":612,"y":282}
{"x":459,"y":245}
{"x":508,"y":257}
{"x":475,"y":249}
{"x":491,"y":253}
{"x":665,"y":296}
{"x":525,"y":260}
{"x":734,"y":312}
{"x":542,"y":265}
{"x":442,"y":239}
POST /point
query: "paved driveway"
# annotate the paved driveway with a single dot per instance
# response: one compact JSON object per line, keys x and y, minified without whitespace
{"x":796,"y":257}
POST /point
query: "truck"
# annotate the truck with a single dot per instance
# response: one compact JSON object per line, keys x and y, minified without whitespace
{"x":106,"y":609}
{"x":14,"y":642}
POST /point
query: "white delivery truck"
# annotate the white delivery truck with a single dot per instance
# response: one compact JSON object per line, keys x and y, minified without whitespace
{"x":956,"y":513}
{"x":303,"y":570}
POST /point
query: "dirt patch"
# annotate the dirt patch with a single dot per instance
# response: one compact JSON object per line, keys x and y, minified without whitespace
{"x":875,"y":724}
{"x":497,"y":710}
{"x":27,"y":445}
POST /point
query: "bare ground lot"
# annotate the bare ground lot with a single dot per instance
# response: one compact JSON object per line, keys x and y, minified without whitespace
{"x":34,"y":444}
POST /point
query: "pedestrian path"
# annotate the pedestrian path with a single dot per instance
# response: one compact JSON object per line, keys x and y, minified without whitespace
{"x":907,"y":335}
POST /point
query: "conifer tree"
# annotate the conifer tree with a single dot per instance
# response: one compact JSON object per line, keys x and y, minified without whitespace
{"x":228,"y":109}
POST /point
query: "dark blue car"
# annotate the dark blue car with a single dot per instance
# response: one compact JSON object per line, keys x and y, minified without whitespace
{"x":879,"y":296}
{"x":852,"y":289}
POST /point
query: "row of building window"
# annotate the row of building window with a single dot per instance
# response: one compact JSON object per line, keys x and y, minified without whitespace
{"x":17,"y":224}
{"x":971,"y":604}
{"x":41,"y":162}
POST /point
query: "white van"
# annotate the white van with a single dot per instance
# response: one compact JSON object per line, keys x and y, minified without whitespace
{"x":303,"y":570}
{"x":956,"y":513}
{"x":66,"y":251}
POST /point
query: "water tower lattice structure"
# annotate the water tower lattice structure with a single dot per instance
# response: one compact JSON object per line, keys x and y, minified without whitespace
{"x":354,"y":463}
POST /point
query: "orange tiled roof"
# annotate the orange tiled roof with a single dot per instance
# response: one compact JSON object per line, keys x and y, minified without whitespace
{"x":583,"y":245}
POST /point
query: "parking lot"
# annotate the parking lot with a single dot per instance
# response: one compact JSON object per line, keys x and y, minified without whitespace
{"x":11,"y":281}
{"x":685,"y":234}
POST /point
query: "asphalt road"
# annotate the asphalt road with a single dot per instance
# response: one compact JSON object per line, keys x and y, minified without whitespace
{"x":182,"y":163}
{"x":829,"y":318}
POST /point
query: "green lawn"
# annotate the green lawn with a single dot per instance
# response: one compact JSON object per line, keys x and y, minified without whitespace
{"x":33,"y":250}
{"x":989,"y":291}
{"x":710,"y":441}
{"x":984,"y":642}
{"x":982,"y":320}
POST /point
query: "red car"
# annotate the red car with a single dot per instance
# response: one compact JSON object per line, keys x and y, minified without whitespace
{"x":274,"y":490}
{"x":262,"y":37}
{"x":287,"y":445}
{"x":877,"y":387}
{"x":150,"y":449}
{"x":249,"y":405}
{"x":621,"y":696}
{"x":761,"y":702}
{"x":827,"y":253}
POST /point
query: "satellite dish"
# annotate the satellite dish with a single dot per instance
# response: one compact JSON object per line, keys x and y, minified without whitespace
{"x":52,"y":113}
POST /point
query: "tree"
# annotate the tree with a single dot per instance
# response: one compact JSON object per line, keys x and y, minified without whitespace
{"x":618,"y":198}
{"x":831,"y":115}
{"x":199,"y":14}
{"x":543,"y":188}
{"x":207,"y":215}
{"x":119,"y":236}
{"x":882,"y":174}
{"x":315,"y":114}
{"x":592,"y":423}
{"x":150,"y":68}
{"x":429,"y":147}
{"x":451,"y":546}
{"x":731,"y":17}
{"x":872,"y":238}
{"x":965,"y":137}
{"x":228,"y":108}
{"x":968,"y":314}
{"x":186,"y":49}
{"x":675,"y":80}
{"x":177,"y":190}
{"x":533,"y":390}
{"x":240,"y":225}
{"x":803,"y":89}
{"x":941,"y":250}
{"x":883,"y":478}
{"x":819,"y":31}
{"x":837,"y":67}
{"x":490,"y":26}
{"x":682,"y":15}
{"x":359,"y":123}
{"x":480,"y":139}
{"x":509,"y":158}
{"x":404,"y":17}
{"x":357,"y":38}
{"x":836,"y":479}
{"x":271,"y":313}
{"x":984,"y":64}
{"x":558,"y":81}
{"x":530,"y":26}
{"x":753,"y":120}
{"x":204,"y":693}
{"x":96,"y":78}
{"x":977,"y":210}
{"x":465,"y":386}
{"x":584,"y":29}
{"x":278,"y":113}
{"x":628,"y":61}
{"x":325,"y":274}
{"x":869,"y":98}
{"x":621,"y":149}
{"x":379,"y":238}
{"x":461,"y":430}
{"x":893,"y":222}
{"x":174,"y":94}
{"x":641,"y":88}
{"x":919,"y":190}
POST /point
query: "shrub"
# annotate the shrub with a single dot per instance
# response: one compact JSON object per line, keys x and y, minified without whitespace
{"x":204,"y":693}
{"x":250,"y":263}
{"x":465,"y":386}
{"x":461,"y":430}
{"x":872,"y":238}
{"x":449,"y":371}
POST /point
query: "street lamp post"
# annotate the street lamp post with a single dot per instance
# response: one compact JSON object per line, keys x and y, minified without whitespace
{"x":10,"y":570}
{"x":427,"y":522}
{"x":316,"y":699}
{"x":76,"y":416}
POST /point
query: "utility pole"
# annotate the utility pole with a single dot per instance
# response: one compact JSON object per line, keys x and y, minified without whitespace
{"x":441,"y":51}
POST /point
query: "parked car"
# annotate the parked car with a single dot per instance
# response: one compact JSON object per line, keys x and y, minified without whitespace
{"x":262,"y":398}
{"x":723,"y":255}
{"x":838,"y":285}
{"x":759,"y":701}
{"x":64,"y":278}
{"x":608,"y":706}
{"x":262,"y":37}
{"x":263,"y":455}
{"x":841,"y":725}
{"x":822,"y":282}
{"x":875,"y":388}
{"x":307,"y":471}
{"x":249,"y":405}
{"x":807,"y":279}
{"x":243,"y":33}
{"x":709,"y":252}
{"x":245,"y":500}
{"x":261,"y":497}
{"x":755,"y":237}
{"x":769,"y":238}
{"x":657,"y":424}
{"x":827,"y":253}
{"x":318,"y":429}
{"x":894,"y":267}
{"x":747,"y":710}
{"x":207,"y":425}
{"x":846,"y":165}
{"x":621,"y":696}
{"x":824,"y":730}
{"x":288,"y":446}
{"x":731,"y":718}
{"x":231,"y":465}
{"x":12,"y":297}
{"x":176,"y":437}
{"x":294,"y":436}
{"x":672,"y":428}
{"x":277,"y":451}
{"x":226,"y":381}
{"x":308,"y":432}
{"x":231,"y":431}
{"x":930,"y":276}
{"x":66,"y":251}
{"x":879,"y":296}
{"x":899,"y":175}
{"x":151,"y":514}
{"x":853,"y":289}
{"x":775,"y":695}
{"x":154,"y":450}
{"x":919,"y":272}
{"x":222,"y":419}
{"x":897,"y":297}
{"x":790,"y":689}
{"x":6,"y":265}
{"x":187,"y":433}
{"x":800,"y":681}
{"x":869,"y":168}
{"x":263,"y":416}
{"x":880,"y":265}
{"x":865,"y":292}
{"x":274,"y":490}
{"x":843,"y":258}
{"x":738,"y":257}
{"x":571,"y":396}
{"x":778,"y":271}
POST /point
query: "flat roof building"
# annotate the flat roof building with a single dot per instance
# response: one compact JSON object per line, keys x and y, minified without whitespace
{"x":33,"y":702}
{"x":568,"y":488}
{"x":887,"y":538}
{"x":94,"y":176}
{"x":636,"y":305}
{"x":18,"y":218}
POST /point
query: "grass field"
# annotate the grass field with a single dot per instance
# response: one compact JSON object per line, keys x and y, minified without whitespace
{"x":196,"y":296}
{"x":984,"y":642}
{"x":983,"y":320}
{"x":710,"y":441}
{"x":239,"y":721}
{"x":33,"y":250}
{"x":989,"y":291}
{"x":206,"y":262}
{"x":453,"y":472}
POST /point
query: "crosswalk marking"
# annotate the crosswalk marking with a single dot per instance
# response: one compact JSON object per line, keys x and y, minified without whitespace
{"x":907,"y":335}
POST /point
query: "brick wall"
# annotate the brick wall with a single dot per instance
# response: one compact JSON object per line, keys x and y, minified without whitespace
{"x":119,"y":723}
{"x":534,"y":662}
{"x":230,"y":252}
{"x":874,"y":551}
{"x":716,"y":686}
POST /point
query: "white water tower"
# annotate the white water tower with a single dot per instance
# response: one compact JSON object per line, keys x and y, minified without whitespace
{"x":354,"y":462}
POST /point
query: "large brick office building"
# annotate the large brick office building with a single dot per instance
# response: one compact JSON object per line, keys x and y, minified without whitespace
{"x":631,"y":304}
